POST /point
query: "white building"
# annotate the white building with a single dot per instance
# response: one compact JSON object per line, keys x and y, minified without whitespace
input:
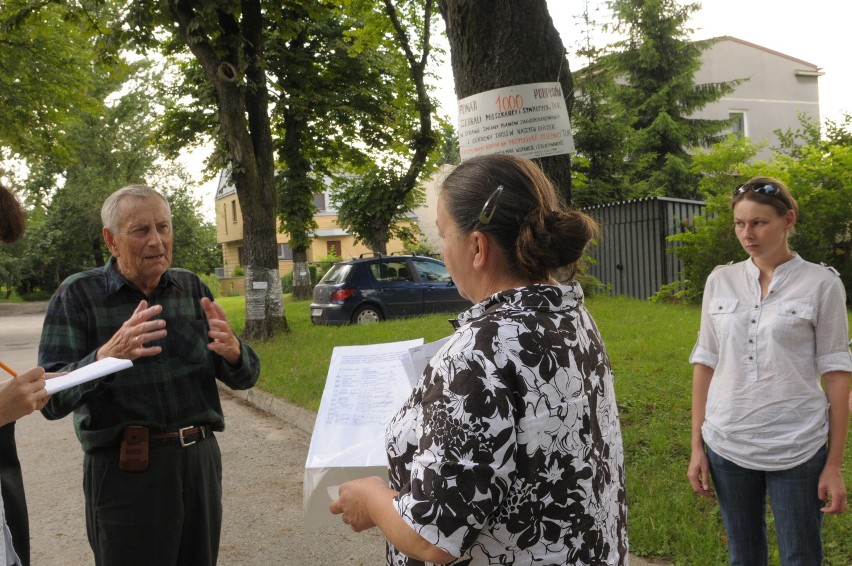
{"x":777,"y":89}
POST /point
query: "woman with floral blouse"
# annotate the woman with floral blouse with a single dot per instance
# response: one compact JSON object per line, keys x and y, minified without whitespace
{"x":509,"y":449}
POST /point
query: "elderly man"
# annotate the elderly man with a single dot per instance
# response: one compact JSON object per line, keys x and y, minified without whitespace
{"x":152,"y":466}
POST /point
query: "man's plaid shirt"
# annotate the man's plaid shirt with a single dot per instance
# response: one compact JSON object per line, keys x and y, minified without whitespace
{"x":173,"y":389}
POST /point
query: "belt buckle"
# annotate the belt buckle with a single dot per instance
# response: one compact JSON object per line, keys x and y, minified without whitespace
{"x":181,"y":432}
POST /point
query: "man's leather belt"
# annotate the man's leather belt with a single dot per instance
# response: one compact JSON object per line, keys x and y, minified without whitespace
{"x":183,"y":437}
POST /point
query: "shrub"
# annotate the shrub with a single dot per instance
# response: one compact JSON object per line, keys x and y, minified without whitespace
{"x":816,"y":169}
{"x":287,"y":283}
{"x":212,"y":282}
{"x":709,"y":242}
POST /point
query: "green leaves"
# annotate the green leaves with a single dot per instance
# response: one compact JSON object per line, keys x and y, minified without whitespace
{"x":817,"y":172}
{"x":50,"y":65}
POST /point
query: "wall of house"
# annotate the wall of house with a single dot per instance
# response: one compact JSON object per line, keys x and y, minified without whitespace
{"x":230,"y":235}
{"x":231,"y":256}
{"x":427,"y":213}
{"x":229,"y":228}
{"x":779,"y":87}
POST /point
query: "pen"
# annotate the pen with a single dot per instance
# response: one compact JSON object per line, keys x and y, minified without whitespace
{"x":8,"y":369}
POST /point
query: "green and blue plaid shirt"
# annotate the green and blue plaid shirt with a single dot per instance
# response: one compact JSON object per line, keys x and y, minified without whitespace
{"x":173,"y":389}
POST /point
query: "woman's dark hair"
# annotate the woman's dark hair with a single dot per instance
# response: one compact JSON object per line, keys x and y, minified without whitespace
{"x":539,"y":239}
{"x":11,"y":216}
{"x":769,"y":191}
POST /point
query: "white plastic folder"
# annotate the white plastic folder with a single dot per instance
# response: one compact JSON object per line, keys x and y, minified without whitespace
{"x":365,"y":387}
{"x":81,"y":375}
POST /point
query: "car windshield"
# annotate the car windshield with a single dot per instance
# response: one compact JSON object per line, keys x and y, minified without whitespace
{"x":337,"y":274}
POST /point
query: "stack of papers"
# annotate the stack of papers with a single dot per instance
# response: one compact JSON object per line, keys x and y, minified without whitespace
{"x":365,"y":387}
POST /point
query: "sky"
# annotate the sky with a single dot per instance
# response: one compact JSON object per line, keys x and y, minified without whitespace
{"x":817,"y":31}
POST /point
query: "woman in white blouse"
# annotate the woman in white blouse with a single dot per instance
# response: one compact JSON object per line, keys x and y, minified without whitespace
{"x":770,"y":386}
{"x":509,"y":449}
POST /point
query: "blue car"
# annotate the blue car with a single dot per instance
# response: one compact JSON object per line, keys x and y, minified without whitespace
{"x":372,"y":289}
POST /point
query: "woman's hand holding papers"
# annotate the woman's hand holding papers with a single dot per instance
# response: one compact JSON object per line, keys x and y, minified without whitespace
{"x":368,"y":502}
{"x":354,"y":499}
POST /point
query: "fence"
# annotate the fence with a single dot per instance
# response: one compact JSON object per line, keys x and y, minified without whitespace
{"x":633,"y":257}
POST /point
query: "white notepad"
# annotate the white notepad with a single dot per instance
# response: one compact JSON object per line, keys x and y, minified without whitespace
{"x":92,"y":371}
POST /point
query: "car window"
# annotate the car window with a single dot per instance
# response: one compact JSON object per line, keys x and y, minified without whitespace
{"x":432,"y":272}
{"x":391,"y":271}
{"x":337,"y":274}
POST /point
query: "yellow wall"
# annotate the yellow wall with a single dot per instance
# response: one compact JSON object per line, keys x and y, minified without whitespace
{"x":230,"y":234}
{"x":229,"y":228}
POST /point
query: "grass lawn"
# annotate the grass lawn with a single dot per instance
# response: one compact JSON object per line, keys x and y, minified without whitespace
{"x":649,"y":345}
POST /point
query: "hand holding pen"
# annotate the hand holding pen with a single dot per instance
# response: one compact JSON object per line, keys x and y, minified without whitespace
{"x":22,"y":394}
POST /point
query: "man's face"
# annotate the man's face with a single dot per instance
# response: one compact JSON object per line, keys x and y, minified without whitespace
{"x":142,"y":243}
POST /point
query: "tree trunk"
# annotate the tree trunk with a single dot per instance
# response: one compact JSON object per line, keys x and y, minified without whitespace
{"x":296,"y":208}
{"x":378,"y":241}
{"x":302,"y":287}
{"x":502,"y":43}
{"x":244,"y":119}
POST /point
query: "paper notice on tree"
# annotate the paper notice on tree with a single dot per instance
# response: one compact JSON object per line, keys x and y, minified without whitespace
{"x":365,"y":387}
{"x":528,"y":120}
{"x":87,"y":373}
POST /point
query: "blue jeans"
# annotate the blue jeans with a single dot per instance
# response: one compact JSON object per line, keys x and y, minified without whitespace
{"x":795,"y":507}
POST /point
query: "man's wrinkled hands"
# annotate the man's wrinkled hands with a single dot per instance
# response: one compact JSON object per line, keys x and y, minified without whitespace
{"x":129,"y":342}
{"x":224,"y":341}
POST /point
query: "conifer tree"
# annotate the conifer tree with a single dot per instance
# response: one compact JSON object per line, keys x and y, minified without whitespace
{"x":657,"y":64}
{"x":601,"y":125}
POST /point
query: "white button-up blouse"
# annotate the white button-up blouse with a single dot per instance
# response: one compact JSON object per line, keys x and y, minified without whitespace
{"x":765,"y":407}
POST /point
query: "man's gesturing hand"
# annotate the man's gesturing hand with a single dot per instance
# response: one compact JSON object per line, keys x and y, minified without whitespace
{"x":128,"y":343}
{"x":225,"y":342}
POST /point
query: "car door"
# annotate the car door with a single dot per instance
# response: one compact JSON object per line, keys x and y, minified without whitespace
{"x":396,"y":288}
{"x":440,"y":294}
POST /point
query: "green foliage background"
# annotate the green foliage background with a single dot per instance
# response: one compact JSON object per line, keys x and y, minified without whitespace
{"x":815,"y":169}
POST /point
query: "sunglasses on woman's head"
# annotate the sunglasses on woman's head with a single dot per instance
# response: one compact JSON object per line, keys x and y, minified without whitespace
{"x":762,"y":188}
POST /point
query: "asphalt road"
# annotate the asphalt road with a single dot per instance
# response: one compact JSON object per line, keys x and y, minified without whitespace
{"x":264,"y":448}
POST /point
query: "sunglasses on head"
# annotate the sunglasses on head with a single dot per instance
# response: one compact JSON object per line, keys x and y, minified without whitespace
{"x":762,"y":188}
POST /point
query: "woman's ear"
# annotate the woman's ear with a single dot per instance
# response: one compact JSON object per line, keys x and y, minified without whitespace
{"x":481,"y":248}
{"x":790,"y":219}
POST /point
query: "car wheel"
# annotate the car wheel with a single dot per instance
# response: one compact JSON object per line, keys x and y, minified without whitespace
{"x":366,"y":314}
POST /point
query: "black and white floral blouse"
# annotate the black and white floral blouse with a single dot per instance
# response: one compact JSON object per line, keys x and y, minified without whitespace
{"x":509,"y":449}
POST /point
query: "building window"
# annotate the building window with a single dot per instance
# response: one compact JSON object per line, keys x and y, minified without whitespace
{"x":234,"y":211}
{"x":319,"y":201}
{"x":225,"y":214}
{"x":284,"y":252}
{"x":240,"y":257}
{"x":737,"y":121}
{"x":334,"y":248}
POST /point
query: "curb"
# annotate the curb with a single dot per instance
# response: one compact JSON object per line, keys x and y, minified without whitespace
{"x":292,"y":414}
